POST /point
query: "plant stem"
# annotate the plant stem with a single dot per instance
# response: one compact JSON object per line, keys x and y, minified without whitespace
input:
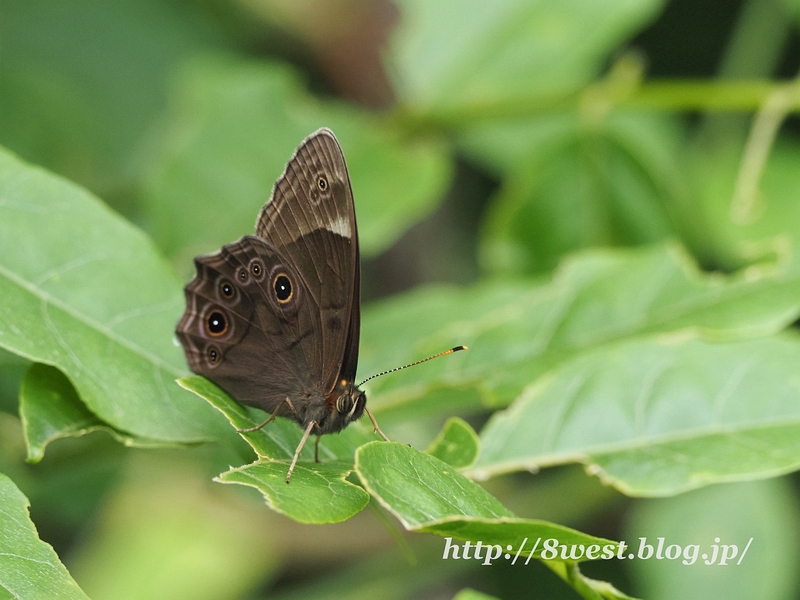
{"x":677,"y":95}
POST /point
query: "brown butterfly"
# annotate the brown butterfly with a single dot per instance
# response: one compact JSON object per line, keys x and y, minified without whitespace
{"x":274,"y":318}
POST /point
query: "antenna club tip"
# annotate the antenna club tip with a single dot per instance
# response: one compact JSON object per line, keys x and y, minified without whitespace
{"x":419,"y":362}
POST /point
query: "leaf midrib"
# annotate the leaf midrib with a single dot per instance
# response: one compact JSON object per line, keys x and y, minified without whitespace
{"x":555,"y":457}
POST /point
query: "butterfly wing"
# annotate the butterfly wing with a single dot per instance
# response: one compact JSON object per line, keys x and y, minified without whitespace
{"x":277,"y":315}
{"x":248,"y":336}
{"x":311,"y":220}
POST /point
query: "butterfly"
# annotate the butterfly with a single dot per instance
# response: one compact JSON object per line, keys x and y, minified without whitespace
{"x":274,"y":319}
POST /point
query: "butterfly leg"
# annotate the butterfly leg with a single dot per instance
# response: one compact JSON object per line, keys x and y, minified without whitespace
{"x":375,"y":425}
{"x":270,"y":420}
{"x":302,"y":443}
{"x":316,"y":449}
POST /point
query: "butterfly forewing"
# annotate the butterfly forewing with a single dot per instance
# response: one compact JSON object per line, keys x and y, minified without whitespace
{"x":311,"y":220}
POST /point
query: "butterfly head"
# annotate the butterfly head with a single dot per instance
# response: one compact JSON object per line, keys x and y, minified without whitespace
{"x":348,"y":405}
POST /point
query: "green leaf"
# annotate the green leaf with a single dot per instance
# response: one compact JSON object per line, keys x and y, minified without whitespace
{"x":427,"y":495}
{"x":656,"y":417}
{"x":50,"y":409}
{"x":722,"y":515}
{"x":419,"y":489}
{"x":273,"y":441}
{"x":470,"y":594}
{"x":279,"y":438}
{"x":452,"y":54}
{"x":456,"y":444}
{"x":588,"y":588}
{"x":29,"y":568}
{"x":84,"y":291}
{"x":518,"y":330}
{"x":578,"y":184}
{"x":12,"y":371}
{"x":318,"y":493}
{"x":231,"y":131}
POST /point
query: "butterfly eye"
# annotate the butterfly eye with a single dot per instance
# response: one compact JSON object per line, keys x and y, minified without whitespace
{"x":322,"y":183}
{"x":226,"y":289}
{"x":213,"y":355}
{"x":216,"y":324}
{"x":256,"y":269}
{"x":342,"y":404}
{"x":283,"y":288}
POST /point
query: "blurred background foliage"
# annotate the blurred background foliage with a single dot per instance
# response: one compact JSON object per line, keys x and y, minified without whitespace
{"x":484,"y":140}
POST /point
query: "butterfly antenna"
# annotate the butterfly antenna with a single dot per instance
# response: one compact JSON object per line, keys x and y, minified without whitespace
{"x":419,"y":362}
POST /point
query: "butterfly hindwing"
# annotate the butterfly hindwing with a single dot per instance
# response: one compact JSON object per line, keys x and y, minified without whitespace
{"x":240,"y":334}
